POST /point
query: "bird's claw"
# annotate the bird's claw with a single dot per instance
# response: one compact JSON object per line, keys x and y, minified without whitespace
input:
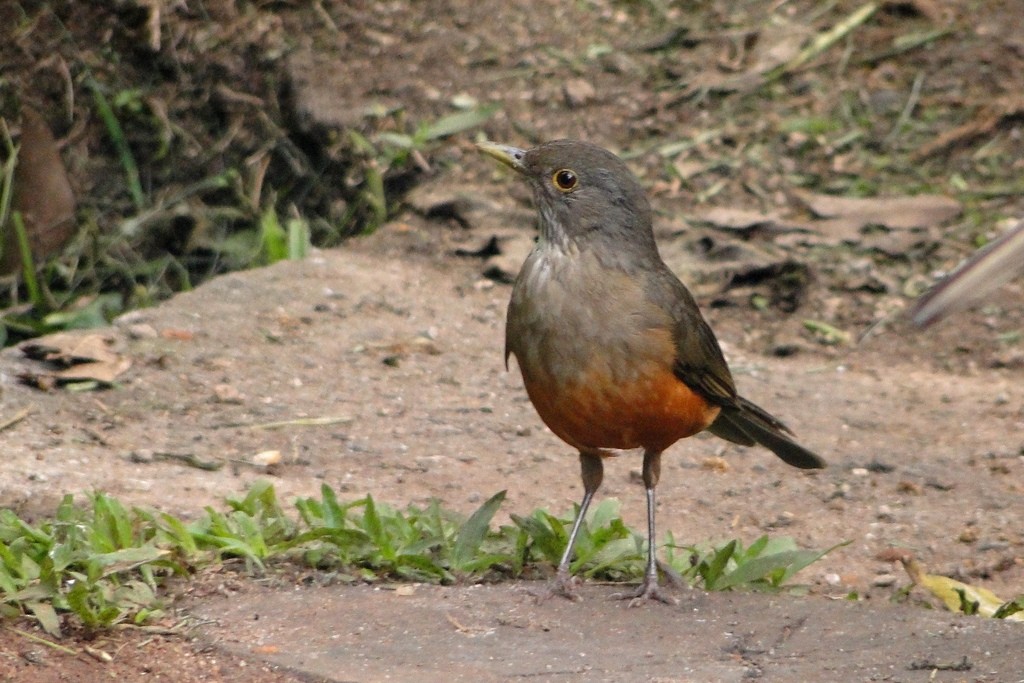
{"x":564,"y":585}
{"x":646,"y":591}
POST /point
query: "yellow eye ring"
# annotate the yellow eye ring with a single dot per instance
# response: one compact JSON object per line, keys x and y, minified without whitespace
{"x":565,"y":179}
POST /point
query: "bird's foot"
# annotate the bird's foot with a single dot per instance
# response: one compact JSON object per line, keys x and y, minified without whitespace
{"x":564,"y":585}
{"x":646,"y":591}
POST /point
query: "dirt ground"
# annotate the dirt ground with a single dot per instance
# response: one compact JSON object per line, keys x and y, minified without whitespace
{"x":400,"y":334}
{"x":931,"y":463}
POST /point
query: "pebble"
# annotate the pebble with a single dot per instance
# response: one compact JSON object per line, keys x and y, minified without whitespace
{"x":578,"y":92}
{"x":141,"y":455}
{"x":884,"y":580}
{"x":142,"y":331}
{"x":267,"y":458}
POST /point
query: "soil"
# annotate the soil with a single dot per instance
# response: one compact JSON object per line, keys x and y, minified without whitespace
{"x":399,"y":336}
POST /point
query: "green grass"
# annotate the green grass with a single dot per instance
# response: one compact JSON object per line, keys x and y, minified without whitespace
{"x":103,"y":564}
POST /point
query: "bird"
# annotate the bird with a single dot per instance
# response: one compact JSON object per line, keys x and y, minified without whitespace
{"x":988,"y":268}
{"x":613,"y":350}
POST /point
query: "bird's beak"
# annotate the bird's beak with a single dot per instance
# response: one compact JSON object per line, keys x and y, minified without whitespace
{"x":510,"y":156}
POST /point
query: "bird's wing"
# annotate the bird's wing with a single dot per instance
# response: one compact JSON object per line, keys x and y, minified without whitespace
{"x":698,"y":362}
{"x":700,"y":365}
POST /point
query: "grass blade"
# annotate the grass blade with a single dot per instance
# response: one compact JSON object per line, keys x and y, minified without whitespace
{"x":458,"y":122}
{"x":28,"y":266}
{"x":116,"y":133}
{"x":472,"y":533}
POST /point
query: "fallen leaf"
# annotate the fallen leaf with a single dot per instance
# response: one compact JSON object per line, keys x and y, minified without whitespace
{"x":748,"y":223}
{"x":958,"y":595}
{"x":987,"y":121}
{"x":42,"y":193}
{"x":906,"y":213}
{"x":77,"y":358}
{"x":65,"y":348}
{"x":104,"y":372}
{"x":177,"y":334}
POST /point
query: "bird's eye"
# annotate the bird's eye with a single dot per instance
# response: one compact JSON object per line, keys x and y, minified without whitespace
{"x":565,"y":180}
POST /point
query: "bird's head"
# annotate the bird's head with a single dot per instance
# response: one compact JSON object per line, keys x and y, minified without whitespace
{"x":584,"y":194}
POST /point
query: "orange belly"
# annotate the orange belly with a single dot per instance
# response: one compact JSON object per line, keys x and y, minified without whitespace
{"x":653,"y":411}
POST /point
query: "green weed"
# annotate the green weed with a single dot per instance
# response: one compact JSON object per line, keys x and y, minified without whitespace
{"x":103,"y":564}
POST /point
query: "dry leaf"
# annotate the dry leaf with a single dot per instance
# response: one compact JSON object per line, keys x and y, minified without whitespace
{"x":177,"y":334}
{"x":845,"y":217}
{"x":987,"y":121}
{"x":955,"y":593}
{"x":737,"y":219}
{"x":77,"y":358}
{"x":65,"y":348}
{"x":747,"y":223}
{"x":42,"y":193}
{"x":104,"y":372}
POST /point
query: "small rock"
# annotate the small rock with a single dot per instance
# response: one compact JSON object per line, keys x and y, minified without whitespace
{"x":225,"y":393}
{"x":968,"y":535}
{"x":131,"y":317}
{"x":785,"y":348}
{"x":1012,"y":358}
{"x":142,"y":456}
{"x":782,"y":521}
{"x":142,"y":331}
{"x":884,"y":580}
{"x":578,"y":93}
{"x":910,"y":487}
{"x":267,"y":458}
{"x":464,"y":100}
{"x":715,"y":464}
{"x":483,"y":285}
{"x":618,"y":63}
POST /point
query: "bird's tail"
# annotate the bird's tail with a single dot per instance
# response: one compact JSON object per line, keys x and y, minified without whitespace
{"x":747,"y":423}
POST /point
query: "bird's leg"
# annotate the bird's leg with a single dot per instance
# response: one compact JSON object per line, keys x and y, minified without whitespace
{"x":649,"y":588}
{"x":592,"y":471}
